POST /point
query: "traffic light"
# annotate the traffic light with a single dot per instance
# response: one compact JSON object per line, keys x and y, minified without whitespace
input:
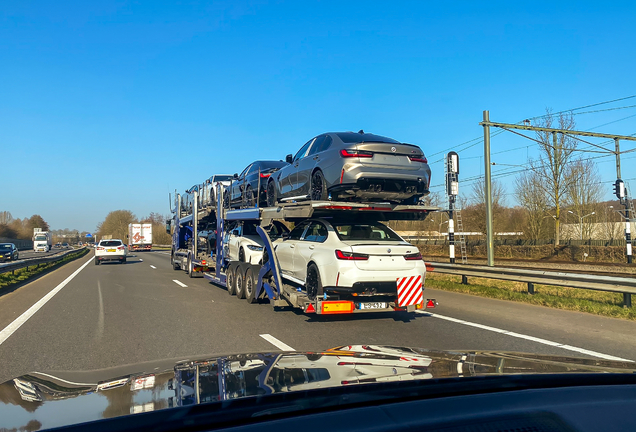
{"x":619,"y":189}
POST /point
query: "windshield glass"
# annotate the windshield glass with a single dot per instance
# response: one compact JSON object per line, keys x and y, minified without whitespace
{"x":507,"y":233}
{"x":351,"y":137}
{"x":218,"y":178}
{"x":5,"y":247}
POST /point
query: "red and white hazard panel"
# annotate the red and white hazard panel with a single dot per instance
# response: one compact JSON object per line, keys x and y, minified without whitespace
{"x":409,"y":291}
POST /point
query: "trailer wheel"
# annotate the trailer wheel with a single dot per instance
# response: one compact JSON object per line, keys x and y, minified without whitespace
{"x":251,"y":279}
{"x":190,"y":268}
{"x":313,"y":283}
{"x":175,"y":266}
{"x":240,"y":280}
{"x":230,"y":278}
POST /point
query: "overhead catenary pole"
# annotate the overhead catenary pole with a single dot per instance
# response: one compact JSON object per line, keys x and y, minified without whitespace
{"x":625,"y":201}
{"x":488,"y":193}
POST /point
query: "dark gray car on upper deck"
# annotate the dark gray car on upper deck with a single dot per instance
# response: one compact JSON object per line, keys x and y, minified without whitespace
{"x":352,"y":166}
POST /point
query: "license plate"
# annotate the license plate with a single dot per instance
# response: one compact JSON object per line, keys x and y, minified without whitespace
{"x":111,"y":250}
{"x":378,"y":305}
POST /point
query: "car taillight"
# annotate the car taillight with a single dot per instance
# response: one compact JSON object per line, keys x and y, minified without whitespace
{"x":265,"y":175}
{"x":347,"y":153}
{"x":120,"y":248}
{"x":100,"y":248}
{"x":413,"y":257}
{"x":418,"y":159}
{"x":351,"y":256}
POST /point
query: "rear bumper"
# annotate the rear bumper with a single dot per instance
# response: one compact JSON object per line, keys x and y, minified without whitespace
{"x":110,"y":257}
{"x":383,"y":188}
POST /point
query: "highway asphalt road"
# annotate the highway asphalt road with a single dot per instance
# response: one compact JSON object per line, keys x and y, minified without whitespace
{"x":119,"y":314}
{"x":30,"y":254}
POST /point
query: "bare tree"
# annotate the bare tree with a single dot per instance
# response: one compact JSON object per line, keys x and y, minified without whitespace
{"x":583,"y":194}
{"x":5,"y":217}
{"x":611,"y":225}
{"x":474,"y":215}
{"x":553,"y":166}
{"x":532,"y":198}
{"x":116,"y":224}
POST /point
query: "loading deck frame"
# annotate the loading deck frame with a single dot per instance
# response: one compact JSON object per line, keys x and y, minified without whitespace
{"x":279,"y":293}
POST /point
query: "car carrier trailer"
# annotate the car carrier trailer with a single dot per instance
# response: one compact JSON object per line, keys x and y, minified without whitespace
{"x":260,"y":281}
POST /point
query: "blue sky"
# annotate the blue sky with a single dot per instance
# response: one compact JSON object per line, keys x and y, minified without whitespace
{"x":111,"y":105}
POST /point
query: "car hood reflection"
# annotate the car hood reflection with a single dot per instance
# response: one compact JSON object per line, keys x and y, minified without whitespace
{"x":44,"y":400}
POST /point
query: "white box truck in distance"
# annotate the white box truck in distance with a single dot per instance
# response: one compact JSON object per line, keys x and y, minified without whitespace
{"x":139,"y":237}
{"x":42,"y":240}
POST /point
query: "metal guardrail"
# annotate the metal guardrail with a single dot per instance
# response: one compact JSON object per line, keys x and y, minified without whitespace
{"x":30,"y":262}
{"x":420,"y":240}
{"x":624,"y":285}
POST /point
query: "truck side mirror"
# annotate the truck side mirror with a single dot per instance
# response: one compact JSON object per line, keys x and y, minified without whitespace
{"x":168,"y":227}
{"x":289,"y":158}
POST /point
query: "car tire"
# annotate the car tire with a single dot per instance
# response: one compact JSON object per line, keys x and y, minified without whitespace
{"x":230,"y":278}
{"x":250,"y":198}
{"x":123,"y":260}
{"x":189,"y":268}
{"x":271,"y":194}
{"x":175,"y":265}
{"x":240,"y":280}
{"x":96,"y":261}
{"x":226,"y":200}
{"x":241,"y":254}
{"x":318,"y":187}
{"x":313,"y":285}
{"x":251,"y":279}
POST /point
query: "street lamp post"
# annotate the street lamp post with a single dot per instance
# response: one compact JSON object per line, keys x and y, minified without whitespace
{"x":581,"y":221}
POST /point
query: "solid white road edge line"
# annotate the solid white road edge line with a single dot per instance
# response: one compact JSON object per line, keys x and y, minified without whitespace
{"x":153,"y":266}
{"x":179,"y":283}
{"x":278,"y":344}
{"x":17,"y":323}
{"x":530,"y":338}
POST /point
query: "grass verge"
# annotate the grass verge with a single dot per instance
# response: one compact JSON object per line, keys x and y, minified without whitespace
{"x":9,"y":279}
{"x":581,"y":300}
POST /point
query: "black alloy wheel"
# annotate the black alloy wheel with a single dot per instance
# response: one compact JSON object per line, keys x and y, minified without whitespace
{"x":318,"y":187}
{"x":271,"y":194}
{"x":313,"y":283}
{"x":250,"y":198}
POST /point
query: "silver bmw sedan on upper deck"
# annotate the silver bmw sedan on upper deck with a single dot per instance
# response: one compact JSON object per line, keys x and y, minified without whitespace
{"x":352,"y":166}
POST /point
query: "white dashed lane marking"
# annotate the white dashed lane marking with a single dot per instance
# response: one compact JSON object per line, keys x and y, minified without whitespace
{"x":179,"y":283}
{"x":526,"y":337}
{"x":278,"y":344}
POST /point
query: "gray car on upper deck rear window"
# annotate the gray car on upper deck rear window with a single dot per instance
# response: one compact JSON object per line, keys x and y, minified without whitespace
{"x":352,"y":166}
